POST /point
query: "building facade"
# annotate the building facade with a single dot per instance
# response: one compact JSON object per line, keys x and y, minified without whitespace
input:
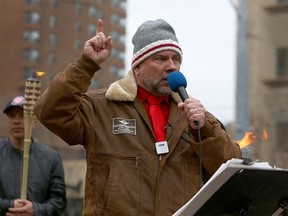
{"x":262,"y":78}
{"x":46,"y":35}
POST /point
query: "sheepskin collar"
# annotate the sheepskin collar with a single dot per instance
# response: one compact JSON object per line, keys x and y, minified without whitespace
{"x":125,"y":89}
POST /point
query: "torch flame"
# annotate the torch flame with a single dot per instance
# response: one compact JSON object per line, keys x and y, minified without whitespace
{"x":264,"y":135}
{"x":250,"y":138}
{"x":39,"y":73}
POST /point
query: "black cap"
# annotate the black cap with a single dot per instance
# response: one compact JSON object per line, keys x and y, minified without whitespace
{"x":18,"y":101}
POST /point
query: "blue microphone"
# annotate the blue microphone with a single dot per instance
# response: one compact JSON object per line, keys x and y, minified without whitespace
{"x":177,"y":83}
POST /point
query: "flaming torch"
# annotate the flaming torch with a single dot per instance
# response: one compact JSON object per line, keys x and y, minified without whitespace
{"x":32,"y":92}
{"x":249,"y":139}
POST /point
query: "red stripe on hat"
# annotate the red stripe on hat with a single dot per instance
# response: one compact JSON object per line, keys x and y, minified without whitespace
{"x":154,"y":48}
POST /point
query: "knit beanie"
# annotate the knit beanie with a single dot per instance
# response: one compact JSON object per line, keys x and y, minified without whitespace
{"x":151,"y":37}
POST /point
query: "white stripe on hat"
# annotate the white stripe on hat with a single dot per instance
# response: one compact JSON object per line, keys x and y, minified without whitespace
{"x":154,"y":47}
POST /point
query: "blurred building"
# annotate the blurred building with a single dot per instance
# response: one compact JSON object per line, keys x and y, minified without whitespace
{"x":46,"y":35}
{"x":262,"y":78}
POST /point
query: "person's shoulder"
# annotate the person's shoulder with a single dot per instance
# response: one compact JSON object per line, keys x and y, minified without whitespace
{"x":46,"y":155}
{"x":3,"y":142}
{"x":45,"y":149}
{"x":3,"y":147}
{"x":95,"y":95}
{"x":96,"y":92}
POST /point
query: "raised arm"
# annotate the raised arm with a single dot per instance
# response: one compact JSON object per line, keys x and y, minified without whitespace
{"x":59,"y":108}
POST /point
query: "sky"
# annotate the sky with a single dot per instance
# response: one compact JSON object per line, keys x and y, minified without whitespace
{"x":206,"y":31}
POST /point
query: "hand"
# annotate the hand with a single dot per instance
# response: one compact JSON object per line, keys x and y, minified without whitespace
{"x":193,"y":111}
{"x":18,"y":203}
{"x":99,"y":47}
{"x":22,"y":207}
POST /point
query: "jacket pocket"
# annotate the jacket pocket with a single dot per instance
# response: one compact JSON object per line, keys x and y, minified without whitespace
{"x":119,"y":180}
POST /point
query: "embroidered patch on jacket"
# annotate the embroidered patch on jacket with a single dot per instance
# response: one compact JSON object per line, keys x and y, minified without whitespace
{"x":124,"y":126}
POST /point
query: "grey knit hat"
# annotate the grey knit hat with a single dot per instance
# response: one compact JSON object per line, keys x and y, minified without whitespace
{"x":151,"y":37}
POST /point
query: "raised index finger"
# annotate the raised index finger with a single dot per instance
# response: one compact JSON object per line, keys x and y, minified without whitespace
{"x":99,"y":26}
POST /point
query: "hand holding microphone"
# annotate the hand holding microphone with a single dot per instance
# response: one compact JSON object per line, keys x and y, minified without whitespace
{"x":192,"y":108}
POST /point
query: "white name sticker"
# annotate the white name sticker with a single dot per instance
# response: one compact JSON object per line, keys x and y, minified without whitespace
{"x":161,"y":147}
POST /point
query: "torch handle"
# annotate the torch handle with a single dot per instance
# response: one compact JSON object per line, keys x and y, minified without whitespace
{"x":25,"y":168}
{"x":32,"y":92}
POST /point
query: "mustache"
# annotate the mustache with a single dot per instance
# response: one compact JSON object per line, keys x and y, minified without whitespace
{"x":165,"y":76}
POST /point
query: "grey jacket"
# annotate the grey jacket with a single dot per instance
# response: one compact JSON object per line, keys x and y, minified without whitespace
{"x":46,"y":186}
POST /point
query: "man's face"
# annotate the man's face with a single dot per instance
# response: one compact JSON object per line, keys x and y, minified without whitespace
{"x":16,"y":122}
{"x":151,"y":74}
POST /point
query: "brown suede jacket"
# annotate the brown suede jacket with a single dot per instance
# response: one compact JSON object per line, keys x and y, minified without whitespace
{"x":124,"y":174}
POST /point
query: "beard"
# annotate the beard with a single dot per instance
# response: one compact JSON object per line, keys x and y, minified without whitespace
{"x":156,"y":86}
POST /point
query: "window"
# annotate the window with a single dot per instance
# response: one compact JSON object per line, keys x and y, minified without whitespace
{"x":95,"y":84}
{"x":281,"y":132}
{"x":32,"y":17}
{"x":77,"y":44}
{"x":51,"y":58}
{"x":116,"y":72}
{"x":282,"y":1}
{"x":94,"y":13}
{"x":54,"y":3}
{"x":78,"y":7}
{"x":52,"y":21}
{"x":282,"y":62}
{"x":32,"y":36}
{"x":118,"y":20}
{"x":116,"y":54}
{"x":33,"y":1}
{"x":117,"y":37}
{"x":78,"y":26}
{"x":52,"y":39}
{"x":31,"y":54}
{"x":91,"y":29}
{"x":119,"y":4}
{"x":28,"y":72}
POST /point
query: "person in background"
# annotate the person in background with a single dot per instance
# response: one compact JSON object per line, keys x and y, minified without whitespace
{"x":46,"y":193}
{"x":140,"y":161}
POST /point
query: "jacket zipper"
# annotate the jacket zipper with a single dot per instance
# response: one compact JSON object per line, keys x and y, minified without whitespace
{"x":136,"y":158}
